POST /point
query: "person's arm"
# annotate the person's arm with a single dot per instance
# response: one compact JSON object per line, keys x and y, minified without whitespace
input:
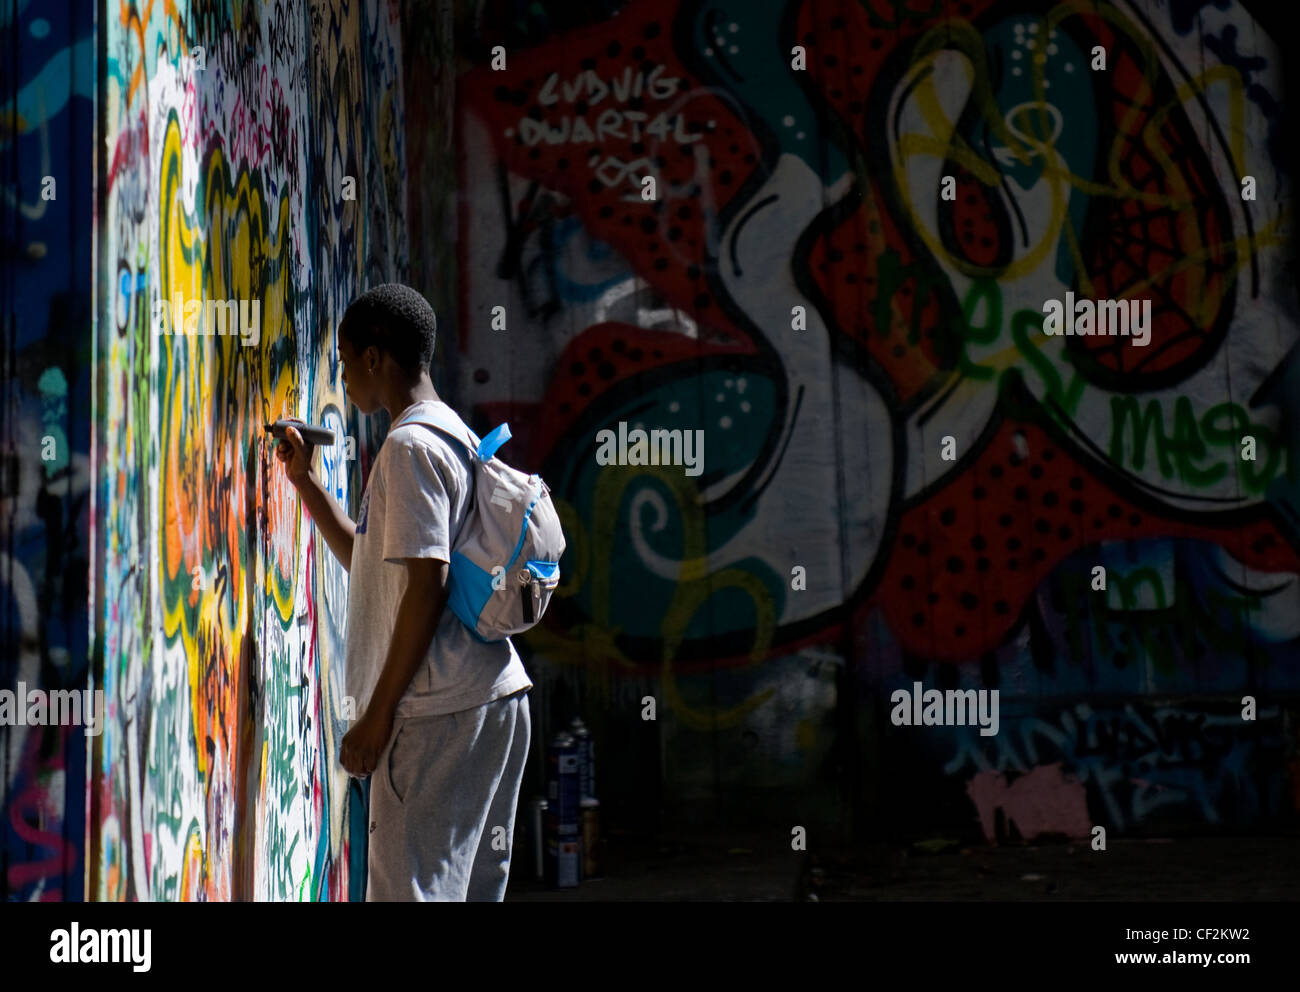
{"x":335,"y":525}
{"x":418,"y":614}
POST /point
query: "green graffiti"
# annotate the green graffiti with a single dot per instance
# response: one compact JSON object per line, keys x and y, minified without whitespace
{"x":1184,"y":623}
{"x":1128,"y":586}
{"x":1178,"y":454}
{"x":891,"y":276}
{"x":1024,"y":321}
{"x":982,"y":291}
{"x":984,"y":300}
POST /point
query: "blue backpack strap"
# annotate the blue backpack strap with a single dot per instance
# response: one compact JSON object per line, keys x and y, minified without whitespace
{"x":493,"y":440}
{"x":455,"y":428}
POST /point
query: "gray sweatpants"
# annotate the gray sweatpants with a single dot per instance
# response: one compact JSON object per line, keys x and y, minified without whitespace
{"x":442,"y":804}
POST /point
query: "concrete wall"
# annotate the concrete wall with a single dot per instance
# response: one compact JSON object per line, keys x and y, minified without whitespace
{"x":821,"y":190}
{"x":221,"y":613}
{"x":47,"y":121}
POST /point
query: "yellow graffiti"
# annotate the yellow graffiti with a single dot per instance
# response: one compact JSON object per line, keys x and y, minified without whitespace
{"x":594,"y":644}
{"x":222,"y":249}
{"x":688,"y":597}
{"x":943,"y":142}
{"x":694,"y":587}
{"x":575,"y":536}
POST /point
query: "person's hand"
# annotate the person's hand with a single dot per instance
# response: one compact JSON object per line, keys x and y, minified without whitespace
{"x":364,"y":743}
{"x":295,"y":454}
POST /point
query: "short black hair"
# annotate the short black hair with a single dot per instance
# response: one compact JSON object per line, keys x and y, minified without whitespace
{"x":396,"y":319}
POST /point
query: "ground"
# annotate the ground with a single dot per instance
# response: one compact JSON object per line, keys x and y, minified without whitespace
{"x":751,"y":867}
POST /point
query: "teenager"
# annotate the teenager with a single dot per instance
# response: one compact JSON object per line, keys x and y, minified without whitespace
{"x":444,"y":724}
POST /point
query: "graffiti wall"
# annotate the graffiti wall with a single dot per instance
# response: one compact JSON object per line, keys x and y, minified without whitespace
{"x":46,"y":212}
{"x":823,"y":233}
{"x":255,"y":158}
{"x":818,"y":234}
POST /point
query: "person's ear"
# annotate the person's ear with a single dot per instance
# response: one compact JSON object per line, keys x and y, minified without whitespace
{"x":371,"y":359}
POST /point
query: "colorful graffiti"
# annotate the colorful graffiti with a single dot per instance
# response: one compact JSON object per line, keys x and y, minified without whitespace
{"x":254,"y":155}
{"x":797,"y":287}
{"x":1161,"y":765}
{"x":46,"y":130}
{"x":800,"y":288}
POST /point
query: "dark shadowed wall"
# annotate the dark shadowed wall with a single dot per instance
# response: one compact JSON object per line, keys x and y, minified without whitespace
{"x":47,"y":84}
{"x":800,"y":289}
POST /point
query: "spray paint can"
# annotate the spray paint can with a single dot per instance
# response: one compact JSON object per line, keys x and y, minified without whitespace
{"x":592,"y":860}
{"x":563,"y":828}
{"x":586,"y":760}
{"x":536,"y":835}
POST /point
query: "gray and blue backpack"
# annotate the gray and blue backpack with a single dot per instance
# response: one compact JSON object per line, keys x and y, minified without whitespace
{"x":505,"y":561}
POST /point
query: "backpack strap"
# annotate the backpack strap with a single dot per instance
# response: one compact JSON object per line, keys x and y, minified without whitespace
{"x":457,"y":430}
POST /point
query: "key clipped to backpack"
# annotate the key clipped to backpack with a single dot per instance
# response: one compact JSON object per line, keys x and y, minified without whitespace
{"x":505,"y":561}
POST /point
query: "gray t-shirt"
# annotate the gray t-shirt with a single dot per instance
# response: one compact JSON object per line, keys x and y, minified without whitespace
{"x":415,"y":502}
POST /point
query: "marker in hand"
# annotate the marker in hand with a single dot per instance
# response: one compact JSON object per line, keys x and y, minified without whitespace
{"x":309,"y":433}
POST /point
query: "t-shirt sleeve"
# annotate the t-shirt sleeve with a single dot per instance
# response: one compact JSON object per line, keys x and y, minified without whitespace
{"x":417,"y":519}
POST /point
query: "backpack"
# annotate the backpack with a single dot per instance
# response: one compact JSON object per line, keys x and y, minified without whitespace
{"x":511,"y":534}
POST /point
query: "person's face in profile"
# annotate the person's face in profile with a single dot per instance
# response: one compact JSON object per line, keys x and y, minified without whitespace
{"x":359,"y":380}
